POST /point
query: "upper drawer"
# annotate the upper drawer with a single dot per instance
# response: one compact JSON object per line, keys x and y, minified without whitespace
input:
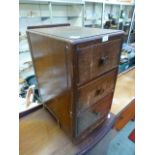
{"x":96,"y":59}
{"x":95,"y":90}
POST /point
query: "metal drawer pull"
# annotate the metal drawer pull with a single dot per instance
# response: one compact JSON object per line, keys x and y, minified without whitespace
{"x":104,"y":60}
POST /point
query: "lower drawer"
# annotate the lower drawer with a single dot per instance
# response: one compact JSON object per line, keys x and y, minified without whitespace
{"x":99,"y":111}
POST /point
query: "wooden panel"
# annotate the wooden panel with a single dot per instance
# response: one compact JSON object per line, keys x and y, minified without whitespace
{"x":60,"y":107}
{"x":96,"y":59}
{"x":125,"y":116}
{"x":96,"y":90}
{"x":49,"y":59}
{"x":95,"y":113}
{"x":124,"y":91}
{"x":75,"y":34}
{"x":53,"y":65}
{"x":40,"y":135}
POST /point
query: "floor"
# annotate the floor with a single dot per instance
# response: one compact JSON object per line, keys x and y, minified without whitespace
{"x":115,"y":143}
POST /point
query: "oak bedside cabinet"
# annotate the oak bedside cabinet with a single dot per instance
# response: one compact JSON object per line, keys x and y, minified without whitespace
{"x":76,"y":69}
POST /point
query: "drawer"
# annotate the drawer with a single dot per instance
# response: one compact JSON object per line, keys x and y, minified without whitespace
{"x":96,"y":59}
{"x":92,"y":92}
{"x":90,"y":118}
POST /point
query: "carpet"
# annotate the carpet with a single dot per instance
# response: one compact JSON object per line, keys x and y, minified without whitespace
{"x":121,"y":145}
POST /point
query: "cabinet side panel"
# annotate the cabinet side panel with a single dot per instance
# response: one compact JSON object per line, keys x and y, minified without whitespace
{"x":50,"y":60}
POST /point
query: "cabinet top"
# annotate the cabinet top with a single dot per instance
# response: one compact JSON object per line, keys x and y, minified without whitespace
{"x":75,"y":34}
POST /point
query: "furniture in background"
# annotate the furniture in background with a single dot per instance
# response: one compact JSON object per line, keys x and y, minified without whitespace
{"x":48,"y":26}
{"x":124,"y":99}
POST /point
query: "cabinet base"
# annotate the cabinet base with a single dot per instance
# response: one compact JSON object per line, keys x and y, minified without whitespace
{"x":96,"y":135}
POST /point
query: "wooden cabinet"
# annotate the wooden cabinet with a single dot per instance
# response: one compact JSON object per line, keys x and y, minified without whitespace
{"x":76,"y":69}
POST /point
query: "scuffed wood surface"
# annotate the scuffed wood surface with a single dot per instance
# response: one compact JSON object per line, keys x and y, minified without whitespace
{"x":40,"y":135}
{"x":124,"y":91}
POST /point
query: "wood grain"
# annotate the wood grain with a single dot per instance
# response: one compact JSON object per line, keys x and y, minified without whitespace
{"x":97,"y":113}
{"x":124,"y":91}
{"x":96,"y":59}
{"x":125,"y":116}
{"x":61,"y":109}
{"x":40,"y":135}
{"x":94,"y":91}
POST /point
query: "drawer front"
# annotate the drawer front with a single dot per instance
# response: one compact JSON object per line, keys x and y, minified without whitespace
{"x":88,"y":119}
{"x":96,"y":59}
{"x":92,"y":92}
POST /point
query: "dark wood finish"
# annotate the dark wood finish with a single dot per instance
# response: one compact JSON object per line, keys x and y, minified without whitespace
{"x":125,"y":116}
{"x":52,"y":74}
{"x":87,"y":120}
{"x":88,"y":143}
{"x":60,"y":107}
{"x":98,"y":58}
{"x":58,"y":55}
{"x":47,"y":26}
{"x":92,"y":92}
{"x":49,"y":60}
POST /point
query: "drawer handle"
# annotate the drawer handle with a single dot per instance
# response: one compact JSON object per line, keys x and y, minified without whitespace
{"x":99,"y":91}
{"x":104,"y":60}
